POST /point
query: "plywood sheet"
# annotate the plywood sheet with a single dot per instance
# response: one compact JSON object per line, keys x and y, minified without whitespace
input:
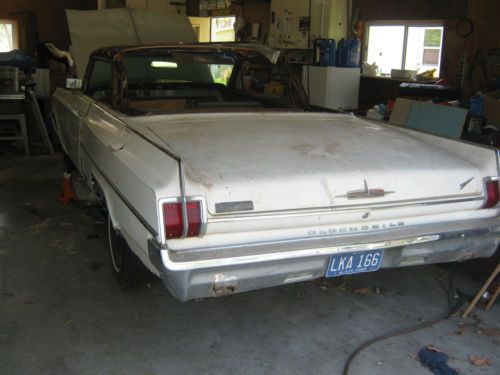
{"x":158,"y":27}
{"x":159,"y":105}
{"x":94,"y":29}
{"x":91,"y":30}
{"x":436,"y":119}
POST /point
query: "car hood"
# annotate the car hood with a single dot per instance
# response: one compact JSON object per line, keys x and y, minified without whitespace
{"x":94,"y":29}
{"x":297,"y":161}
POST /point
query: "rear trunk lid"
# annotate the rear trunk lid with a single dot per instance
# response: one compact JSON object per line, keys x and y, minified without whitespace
{"x":271,"y":162}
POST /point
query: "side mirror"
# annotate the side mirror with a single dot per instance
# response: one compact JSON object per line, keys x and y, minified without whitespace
{"x":74,"y":83}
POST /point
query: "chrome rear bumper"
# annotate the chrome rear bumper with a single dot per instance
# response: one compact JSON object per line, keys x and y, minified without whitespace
{"x":210,"y":272}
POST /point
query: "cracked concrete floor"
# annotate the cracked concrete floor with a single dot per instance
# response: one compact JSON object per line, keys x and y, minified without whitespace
{"x":62,"y":311}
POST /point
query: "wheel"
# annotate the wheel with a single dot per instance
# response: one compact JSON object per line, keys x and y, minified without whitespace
{"x":127,"y":267}
{"x":68,"y":165}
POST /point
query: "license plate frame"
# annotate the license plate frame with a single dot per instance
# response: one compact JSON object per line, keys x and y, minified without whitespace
{"x":354,"y":262}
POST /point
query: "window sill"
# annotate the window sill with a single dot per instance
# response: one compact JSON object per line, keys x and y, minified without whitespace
{"x":389,"y":78}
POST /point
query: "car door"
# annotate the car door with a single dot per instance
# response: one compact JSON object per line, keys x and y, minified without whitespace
{"x":69,"y":107}
{"x":76,"y":104}
{"x":79,"y":107}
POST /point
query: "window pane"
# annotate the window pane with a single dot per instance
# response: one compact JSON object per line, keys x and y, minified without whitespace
{"x":221,"y":73}
{"x":223,"y":29}
{"x":6,"y":37}
{"x":423,"y":51}
{"x":385,"y":47}
{"x":101,"y":75}
{"x":99,"y":85}
{"x":432,"y":38}
{"x":177,"y":67}
{"x":431,"y":56}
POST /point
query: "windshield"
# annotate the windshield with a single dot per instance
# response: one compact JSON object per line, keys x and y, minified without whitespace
{"x":177,"y":67}
{"x":194,"y":80}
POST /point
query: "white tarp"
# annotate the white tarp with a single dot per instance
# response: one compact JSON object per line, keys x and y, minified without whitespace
{"x":94,"y":29}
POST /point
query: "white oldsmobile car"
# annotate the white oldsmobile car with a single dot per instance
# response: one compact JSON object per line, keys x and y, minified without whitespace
{"x":218,"y":188}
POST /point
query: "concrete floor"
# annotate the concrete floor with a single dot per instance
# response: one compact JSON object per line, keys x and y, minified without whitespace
{"x":62,"y":311}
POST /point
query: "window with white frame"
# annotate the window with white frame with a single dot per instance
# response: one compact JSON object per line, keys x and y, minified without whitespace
{"x":222,"y":29}
{"x":8,"y":35}
{"x":402,"y":45}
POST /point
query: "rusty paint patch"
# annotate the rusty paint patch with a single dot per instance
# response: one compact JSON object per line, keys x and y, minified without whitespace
{"x":223,"y":285}
{"x":319,"y":150}
{"x":196,"y":179}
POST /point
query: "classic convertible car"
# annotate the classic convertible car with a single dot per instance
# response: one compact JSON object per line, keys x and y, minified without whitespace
{"x":218,"y":178}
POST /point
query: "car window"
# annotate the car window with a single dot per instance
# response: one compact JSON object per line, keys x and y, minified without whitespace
{"x":165,"y":81}
{"x":177,"y":67}
{"x":99,"y":83}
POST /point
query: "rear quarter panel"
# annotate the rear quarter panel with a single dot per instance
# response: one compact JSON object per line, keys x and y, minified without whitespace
{"x":131,"y":172}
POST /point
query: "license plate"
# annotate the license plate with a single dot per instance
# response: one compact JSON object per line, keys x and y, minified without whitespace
{"x":358,"y":262}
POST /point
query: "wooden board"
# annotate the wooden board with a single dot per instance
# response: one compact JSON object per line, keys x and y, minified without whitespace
{"x":158,"y":105}
{"x":400,"y":112}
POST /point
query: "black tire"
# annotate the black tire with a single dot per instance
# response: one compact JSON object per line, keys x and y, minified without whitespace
{"x":68,"y":165}
{"x":127,"y":267}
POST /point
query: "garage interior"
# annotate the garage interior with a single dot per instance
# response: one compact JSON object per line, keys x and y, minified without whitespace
{"x":431,"y":66}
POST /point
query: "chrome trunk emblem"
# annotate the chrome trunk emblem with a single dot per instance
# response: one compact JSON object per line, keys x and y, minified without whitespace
{"x":465,"y":183}
{"x":366,"y":193}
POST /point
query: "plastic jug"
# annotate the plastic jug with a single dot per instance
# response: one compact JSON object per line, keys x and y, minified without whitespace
{"x":353,"y":53}
{"x":324,"y":52}
{"x":342,"y":53}
{"x":349,"y":53}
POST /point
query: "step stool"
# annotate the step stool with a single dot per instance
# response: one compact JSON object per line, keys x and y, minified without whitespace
{"x":19,"y":117}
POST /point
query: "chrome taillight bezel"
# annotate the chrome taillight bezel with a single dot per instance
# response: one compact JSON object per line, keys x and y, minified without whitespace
{"x":161,"y":224}
{"x":486,"y":181}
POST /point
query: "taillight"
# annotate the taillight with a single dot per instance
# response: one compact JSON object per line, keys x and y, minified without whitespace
{"x":492,"y":193}
{"x":172,"y":219}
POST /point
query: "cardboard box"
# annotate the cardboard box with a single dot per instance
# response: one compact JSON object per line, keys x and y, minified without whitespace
{"x":492,"y":107}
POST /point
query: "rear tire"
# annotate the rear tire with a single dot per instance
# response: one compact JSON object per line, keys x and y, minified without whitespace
{"x":127,"y":267}
{"x":68,"y":165}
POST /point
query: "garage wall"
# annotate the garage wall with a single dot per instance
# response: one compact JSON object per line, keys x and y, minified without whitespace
{"x":47,"y":15}
{"x":411,"y":10}
{"x":484,"y":14}
{"x":258,"y":13}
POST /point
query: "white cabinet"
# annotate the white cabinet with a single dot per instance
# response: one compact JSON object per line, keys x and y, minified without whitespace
{"x":332,"y":87}
{"x":328,"y":19}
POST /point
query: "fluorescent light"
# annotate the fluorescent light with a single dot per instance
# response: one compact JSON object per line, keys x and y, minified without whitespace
{"x":163,"y":64}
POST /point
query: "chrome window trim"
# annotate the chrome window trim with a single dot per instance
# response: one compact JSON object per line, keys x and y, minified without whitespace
{"x":498,"y":161}
{"x":161,"y":225}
